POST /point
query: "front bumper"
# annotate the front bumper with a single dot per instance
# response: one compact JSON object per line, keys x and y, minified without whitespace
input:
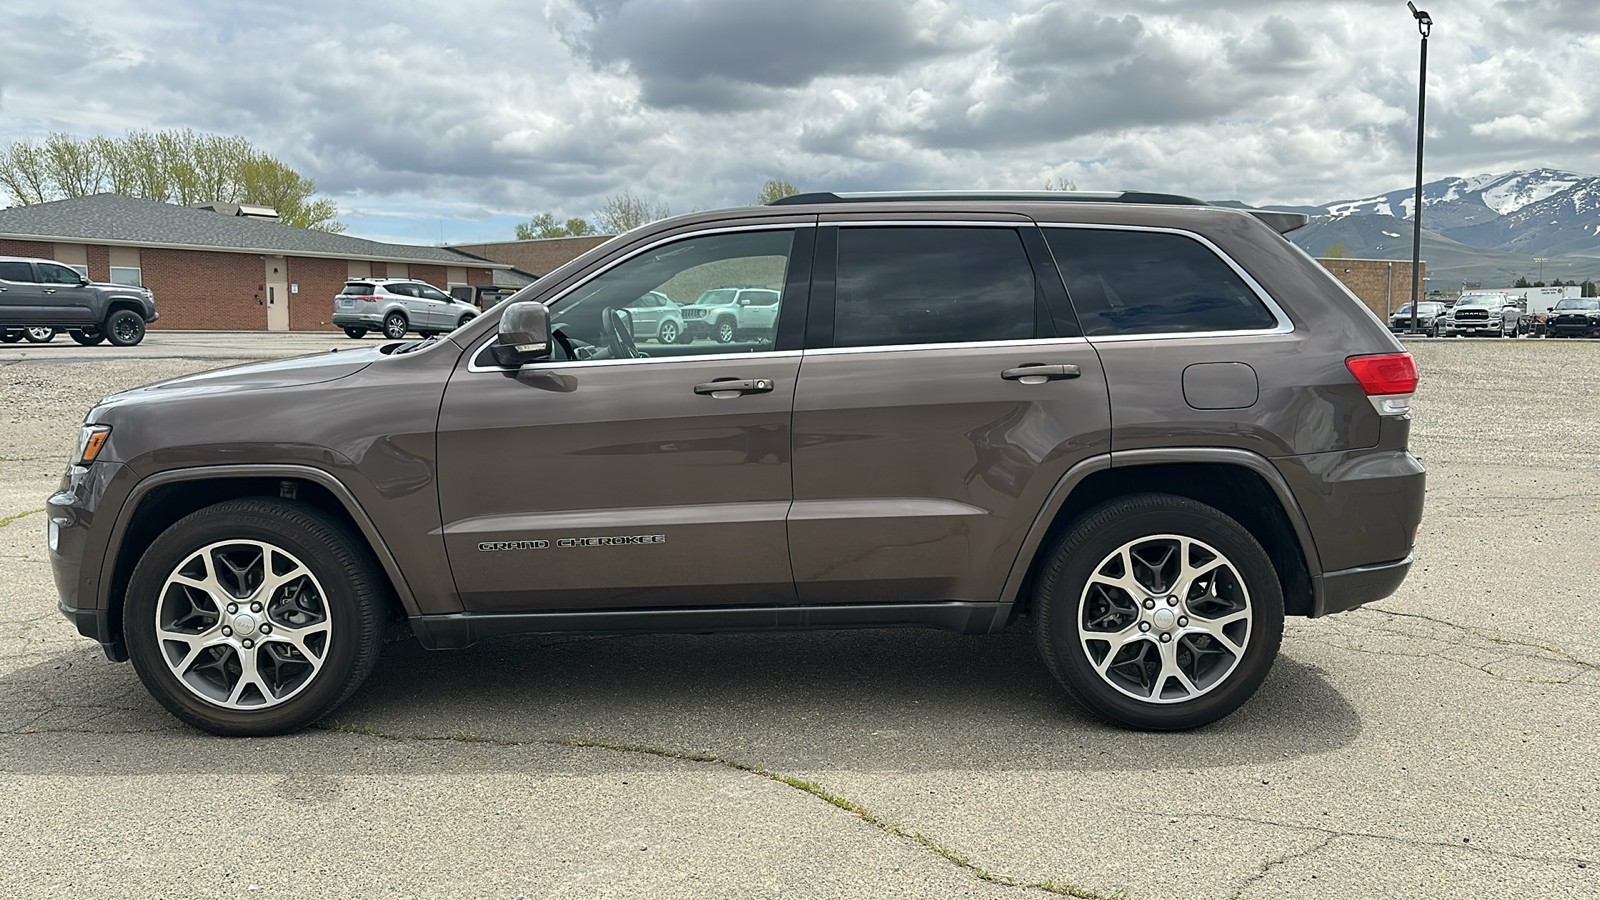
{"x":76,"y":546}
{"x":1574,"y":330}
{"x":1404,"y":327}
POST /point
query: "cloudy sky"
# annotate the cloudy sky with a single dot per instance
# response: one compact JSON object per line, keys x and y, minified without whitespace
{"x":453,"y":120}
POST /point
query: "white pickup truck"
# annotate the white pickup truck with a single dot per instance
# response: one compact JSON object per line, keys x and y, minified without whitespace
{"x":1491,"y":313}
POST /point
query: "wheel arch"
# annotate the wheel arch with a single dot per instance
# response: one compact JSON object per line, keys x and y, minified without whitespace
{"x":162,"y":499}
{"x":1242,"y":484}
{"x":120,"y":303}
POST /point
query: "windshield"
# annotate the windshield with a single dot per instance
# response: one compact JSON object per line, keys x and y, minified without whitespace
{"x":1578,"y":304}
{"x":1426,"y":309}
{"x":1480,"y":300}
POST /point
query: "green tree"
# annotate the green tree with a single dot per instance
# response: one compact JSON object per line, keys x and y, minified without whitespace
{"x":173,"y":166}
{"x":1522,"y":282}
{"x":626,"y":211}
{"x":1589,"y":288}
{"x":1538,"y":284}
{"x":775,"y":189}
{"x":1334,"y":251}
{"x":544,"y":225}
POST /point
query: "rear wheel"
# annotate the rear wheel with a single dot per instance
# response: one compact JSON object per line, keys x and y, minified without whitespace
{"x":356,"y":333}
{"x":39,"y":334}
{"x":125,"y":328}
{"x":10,"y":336}
{"x":87,"y":336}
{"x":394,"y":327}
{"x":254,"y":617}
{"x":1158,"y":612}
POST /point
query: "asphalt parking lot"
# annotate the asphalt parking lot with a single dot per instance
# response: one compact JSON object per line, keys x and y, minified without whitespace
{"x":1440,"y":744}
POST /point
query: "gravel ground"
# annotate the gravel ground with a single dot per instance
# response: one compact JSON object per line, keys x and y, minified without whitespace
{"x":1439,"y":744}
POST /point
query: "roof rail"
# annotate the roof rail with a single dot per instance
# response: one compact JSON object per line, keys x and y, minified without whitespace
{"x":1015,"y":196}
{"x":1281,"y":222}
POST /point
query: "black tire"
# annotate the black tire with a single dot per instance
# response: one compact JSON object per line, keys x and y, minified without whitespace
{"x":39,"y":334}
{"x":88,"y":337}
{"x":426,"y":334}
{"x":124,"y":328}
{"x":668,"y":333}
{"x":1099,"y":533}
{"x":353,"y":592}
{"x":727,"y":330}
{"x":464,"y":320}
{"x":395,"y":326}
{"x":355,"y":333}
{"x":10,"y":336}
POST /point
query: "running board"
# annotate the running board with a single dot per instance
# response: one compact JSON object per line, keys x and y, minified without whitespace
{"x":449,"y":632}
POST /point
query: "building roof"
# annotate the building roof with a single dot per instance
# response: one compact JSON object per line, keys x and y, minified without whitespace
{"x":115,"y":219}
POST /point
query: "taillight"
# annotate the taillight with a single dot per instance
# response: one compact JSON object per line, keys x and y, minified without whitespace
{"x":1384,"y":374}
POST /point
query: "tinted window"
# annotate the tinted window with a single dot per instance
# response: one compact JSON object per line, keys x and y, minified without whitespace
{"x":50,"y":273}
{"x":428,"y":292}
{"x":1134,"y":282}
{"x":401,"y":290}
{"x":932,"y":285}
{"x":358,"y":290}
{"x":758,"y":298}
{"x":16,"y":271}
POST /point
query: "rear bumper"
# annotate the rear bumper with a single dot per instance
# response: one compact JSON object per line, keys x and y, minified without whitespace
{"x":348,"y":319}
{"x":1349,"y":588}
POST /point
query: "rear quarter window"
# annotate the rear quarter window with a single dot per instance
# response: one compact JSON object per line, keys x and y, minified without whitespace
{"x":1141,"y":282}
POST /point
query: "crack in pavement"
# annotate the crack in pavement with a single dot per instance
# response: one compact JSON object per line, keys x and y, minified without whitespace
{"x":1582,"y":862}
{"x":876,"y":820}
{"x":1285,"y":859}
{"x":1524,"y":641}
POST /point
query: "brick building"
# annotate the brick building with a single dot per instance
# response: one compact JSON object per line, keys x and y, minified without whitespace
{"x":1384,"y":285}
{"x":210,"y":270}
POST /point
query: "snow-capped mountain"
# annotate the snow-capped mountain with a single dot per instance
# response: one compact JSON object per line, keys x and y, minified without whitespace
{"x":1531,"y":211}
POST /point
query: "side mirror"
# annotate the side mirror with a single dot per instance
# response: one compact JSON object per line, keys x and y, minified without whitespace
{"x":83,"y":280}
{"x":524,"y":335}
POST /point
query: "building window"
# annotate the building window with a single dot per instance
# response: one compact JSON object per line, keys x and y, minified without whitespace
{"x":125,"y":275}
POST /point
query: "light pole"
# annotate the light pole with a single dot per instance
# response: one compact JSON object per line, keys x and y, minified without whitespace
{"x":1541,"y":260}
{"x":1424,"y":26}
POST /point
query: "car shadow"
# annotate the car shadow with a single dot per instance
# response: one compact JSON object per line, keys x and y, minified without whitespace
{"x":859,"y":700}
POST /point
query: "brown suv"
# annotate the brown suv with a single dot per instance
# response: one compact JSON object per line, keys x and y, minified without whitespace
{"x":1150,"y":425}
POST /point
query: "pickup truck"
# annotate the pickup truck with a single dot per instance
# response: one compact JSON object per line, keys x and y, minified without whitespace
{"x":44,"y":294}
{"x":1490,"y":313}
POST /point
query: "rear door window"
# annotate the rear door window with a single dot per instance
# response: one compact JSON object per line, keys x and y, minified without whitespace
{"x":16,"y":271}
{"x":357,"y":290}
{"x":1145,"y":282}
{"x":932,"y":285}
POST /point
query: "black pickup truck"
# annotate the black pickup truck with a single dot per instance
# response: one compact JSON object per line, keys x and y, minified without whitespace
{"x":40,"y":296}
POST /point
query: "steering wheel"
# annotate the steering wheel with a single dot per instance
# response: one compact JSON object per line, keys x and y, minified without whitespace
{"x":616,"y":326}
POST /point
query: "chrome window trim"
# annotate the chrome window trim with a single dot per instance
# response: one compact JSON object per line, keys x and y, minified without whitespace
{"x":949,"y":345}
{"x":474,"y":366}
{"x":930,"y":223}
{"x":1285,"y":324}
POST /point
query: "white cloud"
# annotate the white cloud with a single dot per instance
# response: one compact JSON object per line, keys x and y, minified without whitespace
{"x":486,"y":110}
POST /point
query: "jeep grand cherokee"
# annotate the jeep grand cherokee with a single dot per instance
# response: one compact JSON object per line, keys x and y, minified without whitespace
{"x":1149,"y":427}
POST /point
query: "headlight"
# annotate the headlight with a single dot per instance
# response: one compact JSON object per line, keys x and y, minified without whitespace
{"x":91,"y":440}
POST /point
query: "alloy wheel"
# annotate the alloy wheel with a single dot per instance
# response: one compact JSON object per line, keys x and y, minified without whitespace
{"x":1164,"y":619}
{"x":669,"y":334}
{"x":243,"y":624}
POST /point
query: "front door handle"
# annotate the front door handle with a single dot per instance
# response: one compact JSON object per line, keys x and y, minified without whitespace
{"x":49,"y":290}
{"x":723,"y":388}
{"x":1039,"y":373}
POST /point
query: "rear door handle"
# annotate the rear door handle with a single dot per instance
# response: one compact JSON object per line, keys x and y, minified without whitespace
{"x":49,"y":290}
{"x":724,"y":388}
{"x":1039,"y":373}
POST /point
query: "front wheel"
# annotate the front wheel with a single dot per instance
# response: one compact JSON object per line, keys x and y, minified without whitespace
{"x":125,"y":328}
{"x":464,"y":320}
{"x":39,"y":334}
{"x":1158,"y":612}
{"x":355,"y":333}
{"x":668,"y":333}
{"x":88,"y":337}
{"x":254,"y":617}
{"x":394,"y":327}
{"x":10,"y":336}
{"x":727,"y":330}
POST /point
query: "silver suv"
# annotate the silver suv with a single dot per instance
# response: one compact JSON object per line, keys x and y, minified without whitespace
{"x":396,"y":306}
